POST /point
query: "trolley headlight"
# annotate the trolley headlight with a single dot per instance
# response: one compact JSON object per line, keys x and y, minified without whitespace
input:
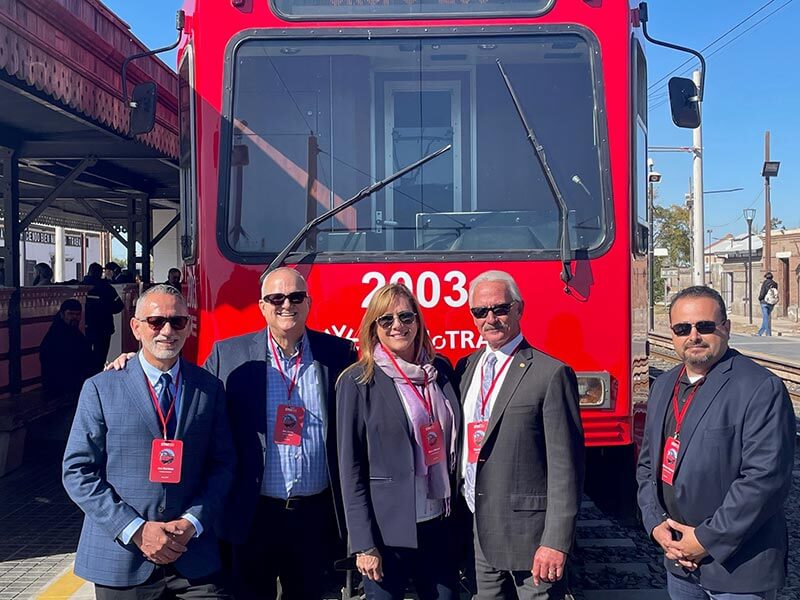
{"x":594,"y":389}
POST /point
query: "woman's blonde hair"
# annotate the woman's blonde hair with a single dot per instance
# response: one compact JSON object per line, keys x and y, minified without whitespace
{"x":379,"y":305}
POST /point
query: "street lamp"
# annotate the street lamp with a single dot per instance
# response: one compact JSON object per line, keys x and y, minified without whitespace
{"x":749,"y":214}
{"x":653,"y":177}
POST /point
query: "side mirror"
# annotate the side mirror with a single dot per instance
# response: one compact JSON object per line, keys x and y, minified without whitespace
{"x":684,"y":103}
{"x":143,"y":108}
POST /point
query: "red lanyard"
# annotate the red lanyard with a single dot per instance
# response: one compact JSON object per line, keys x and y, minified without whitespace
{"x":164,"y":420}
{"x":679,"y":414}
{"x":424,"y":398}
{"x":293,"y":381}
{"x":485,"y":399}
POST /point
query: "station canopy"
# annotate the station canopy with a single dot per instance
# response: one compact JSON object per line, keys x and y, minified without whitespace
{"x":65,"y":123}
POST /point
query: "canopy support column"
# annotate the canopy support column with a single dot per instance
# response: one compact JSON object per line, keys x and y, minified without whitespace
{"x":9,"y":190}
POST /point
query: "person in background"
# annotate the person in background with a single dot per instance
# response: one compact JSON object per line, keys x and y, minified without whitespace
{"x":65,"y":354}
{"x":44,"y":274}
{"x":102,"y":303}
{"x":112,"y":271}
{"x":715,"y":467}
{"x":174,"y":278}
{"x":149,"y":461}
{"x":398,"y":423}
{"x":768,"y":297}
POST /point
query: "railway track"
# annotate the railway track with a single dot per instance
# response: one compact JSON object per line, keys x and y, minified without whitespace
{"x":661,"y":347}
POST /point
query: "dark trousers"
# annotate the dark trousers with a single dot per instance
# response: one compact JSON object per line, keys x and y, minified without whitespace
{"x":432,"y":566}
{"x":494,"y":584}
{"x":289,"y":541}
{"x":166,"y":582}
{"x":100,"y":343}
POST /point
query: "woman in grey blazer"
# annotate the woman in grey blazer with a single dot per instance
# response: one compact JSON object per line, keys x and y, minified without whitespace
{"x":398,"y":426}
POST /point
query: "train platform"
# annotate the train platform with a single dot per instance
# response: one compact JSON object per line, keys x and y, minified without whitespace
{"x":783,"y":345}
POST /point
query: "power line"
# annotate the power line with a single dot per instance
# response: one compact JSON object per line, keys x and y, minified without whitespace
{"x":739,"y":24}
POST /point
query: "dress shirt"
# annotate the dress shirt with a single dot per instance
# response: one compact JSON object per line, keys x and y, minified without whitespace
{"x":295,"y":470}
{"x":473,"y":391}
{"x":153,"y":375}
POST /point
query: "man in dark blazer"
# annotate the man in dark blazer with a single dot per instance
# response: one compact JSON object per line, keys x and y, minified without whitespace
{"x":283,"y":516}
{"x":149,"y":461}
{"x":523,"y":453}
{"x":715,"y":465}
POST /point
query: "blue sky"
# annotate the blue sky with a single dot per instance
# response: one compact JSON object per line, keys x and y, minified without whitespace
{"x":752,"y":86}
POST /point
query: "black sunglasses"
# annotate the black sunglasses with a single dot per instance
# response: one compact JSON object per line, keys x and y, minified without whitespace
{"x":703,"y":327}
{"x":406,"y":317}
{"x":499,"y":310}
{"x":279,"y":299}
{"x":157,"y":323}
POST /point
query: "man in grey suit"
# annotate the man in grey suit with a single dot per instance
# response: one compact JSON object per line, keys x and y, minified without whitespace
{"x":523,"y":454}
{"x":149,"y":461}
{"x":284,"y":515}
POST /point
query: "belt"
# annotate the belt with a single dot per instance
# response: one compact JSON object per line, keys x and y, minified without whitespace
{"x":296,"y":502}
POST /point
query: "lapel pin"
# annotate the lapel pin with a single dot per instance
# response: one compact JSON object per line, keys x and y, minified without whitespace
{"x":522,"y":365}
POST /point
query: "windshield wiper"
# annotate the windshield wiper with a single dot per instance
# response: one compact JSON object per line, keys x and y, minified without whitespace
{"x":565,"y":253}
{"x":367,"y":191}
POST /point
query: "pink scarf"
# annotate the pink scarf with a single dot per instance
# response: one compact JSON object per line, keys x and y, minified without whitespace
{"x":438,"y":474}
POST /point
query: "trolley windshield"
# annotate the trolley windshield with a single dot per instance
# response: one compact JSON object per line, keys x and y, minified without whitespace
{"x":314,"y":121}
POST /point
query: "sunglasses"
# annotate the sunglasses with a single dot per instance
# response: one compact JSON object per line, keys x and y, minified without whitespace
{"x":703,"y":327}
{"x":406,"y":317}
{"x":499,"y":310}
{"x":157,"y":323}
{"x":279,"y":299}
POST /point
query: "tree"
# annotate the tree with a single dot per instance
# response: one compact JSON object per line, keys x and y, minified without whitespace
{"x":776,"y":224}
{"x":671,"y":231}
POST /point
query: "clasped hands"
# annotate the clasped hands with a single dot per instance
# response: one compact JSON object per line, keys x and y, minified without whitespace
{"x":687,"y":552}
{"x":163,"y":543}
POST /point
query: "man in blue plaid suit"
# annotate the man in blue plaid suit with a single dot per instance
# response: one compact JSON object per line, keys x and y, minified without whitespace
{"x":148,"y":530}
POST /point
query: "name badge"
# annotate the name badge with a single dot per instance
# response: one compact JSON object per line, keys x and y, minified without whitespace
{"x":670,"y":460}
{"x":289,"y":425}
{"x":476,"y":431}
{"x":166,"y":461}
{"x":432,"y":443}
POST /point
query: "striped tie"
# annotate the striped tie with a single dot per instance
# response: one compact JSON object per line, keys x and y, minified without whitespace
{"x":470,"y":471}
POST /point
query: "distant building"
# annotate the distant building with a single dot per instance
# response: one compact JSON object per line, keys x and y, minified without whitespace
{"x":81,"y":248}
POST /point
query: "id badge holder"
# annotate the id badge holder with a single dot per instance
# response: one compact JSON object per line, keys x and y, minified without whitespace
{"x":289,"y":425}
{"x":432,"y":443}
{"x":166,"y":461}
{"x":476,"y":431}
{"x":670,"y":459}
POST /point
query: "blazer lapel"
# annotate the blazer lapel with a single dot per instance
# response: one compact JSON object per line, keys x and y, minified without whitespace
{"x":515,"y":371}
{"x":466,"y":378}
{"x":704,"y":398}
{"x":660,"y":407}
{"x":387,"y":390}
{"x":190,"y":397}
{"x":320,"y":358}
{"x":135,"y":382}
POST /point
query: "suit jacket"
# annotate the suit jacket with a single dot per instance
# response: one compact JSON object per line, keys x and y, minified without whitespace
{"x":376,"y":458}
{"x":733,"y":474}
{"x":241,"y":364}
{"x":107,"y":467}
{"x":529,"y":475}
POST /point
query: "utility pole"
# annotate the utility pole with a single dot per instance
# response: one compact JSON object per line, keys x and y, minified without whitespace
{"x":767,"y":213}
{"x":653,"y":177}
{"x":698,"y":266}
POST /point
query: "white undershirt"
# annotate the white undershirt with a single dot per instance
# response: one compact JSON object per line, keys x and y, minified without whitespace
{"x":473,"y":392}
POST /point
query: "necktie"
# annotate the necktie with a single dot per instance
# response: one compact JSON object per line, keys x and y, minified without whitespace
{"x":165,"y":401}
{"x":486,"y":383}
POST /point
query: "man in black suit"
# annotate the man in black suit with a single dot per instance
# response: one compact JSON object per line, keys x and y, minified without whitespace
{"x":523,"y":454}
{"x":102,"y":303}
{"x":284,"y":516}
{"x":715,"y":465}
